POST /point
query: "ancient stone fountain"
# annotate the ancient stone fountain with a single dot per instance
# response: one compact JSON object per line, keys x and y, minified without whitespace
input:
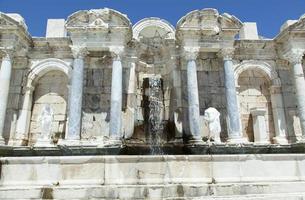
{"x":101,"y":109}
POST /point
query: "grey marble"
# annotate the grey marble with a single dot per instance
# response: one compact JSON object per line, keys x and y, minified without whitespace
{"x":75,"y":100}
{"x":193,"y":99}
{"x":116,"y":100}
{"x":233,"y":118}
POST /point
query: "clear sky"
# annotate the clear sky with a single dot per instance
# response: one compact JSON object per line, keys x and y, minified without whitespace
{"x":269,"y":14}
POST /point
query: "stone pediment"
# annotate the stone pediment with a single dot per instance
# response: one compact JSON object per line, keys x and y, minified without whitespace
{"x":298,"y":25}
{"x":97,"y":19}
{"x":12,"y":20}
{"x":208,"y":22}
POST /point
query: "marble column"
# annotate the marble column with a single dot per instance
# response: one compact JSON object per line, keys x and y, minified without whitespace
{"x":193,"y":97}
{"x":23,"y":122}
{"x":5,"y":78}
{"x":116,"y":99}
{"x":295,"y":57}
{"x":75,"y":96}
{"x":233,"y":115}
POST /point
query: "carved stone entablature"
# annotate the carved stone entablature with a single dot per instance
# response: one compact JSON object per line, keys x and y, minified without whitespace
{"x":99,"y":28}
{"x":294,"y":25}
{"x":14,"y":30}
{"x":208,"y":22}
{"x":292,"y":35}
{"x":294,"y":56}
{"x":12,"y":20}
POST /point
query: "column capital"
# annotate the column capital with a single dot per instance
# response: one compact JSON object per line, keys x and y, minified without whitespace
{"x":227,"y":53}
{"x":116,"y":52}
{"x":79,"y":51}
{"x":7,"y":53}
{"x":294,"y":56}
{"x":190,"y":53}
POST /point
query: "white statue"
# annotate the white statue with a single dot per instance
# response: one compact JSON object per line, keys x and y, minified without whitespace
{"x":211,"y":116}
{"x":46,"y":118}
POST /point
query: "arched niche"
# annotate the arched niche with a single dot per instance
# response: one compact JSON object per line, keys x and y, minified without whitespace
{"x":260,"y":87}
{"x":47,"y":86}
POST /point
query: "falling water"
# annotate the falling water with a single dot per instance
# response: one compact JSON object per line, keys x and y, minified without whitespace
{"x":155,"y":115}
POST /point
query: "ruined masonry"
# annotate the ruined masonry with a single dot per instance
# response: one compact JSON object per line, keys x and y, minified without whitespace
{"x":100,"y":108}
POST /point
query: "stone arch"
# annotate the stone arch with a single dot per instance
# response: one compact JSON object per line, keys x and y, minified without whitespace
{"x":269,"y":91}
{"x":45,"y":66}
{"x":261,"y":66}
{"x":153,"y":22}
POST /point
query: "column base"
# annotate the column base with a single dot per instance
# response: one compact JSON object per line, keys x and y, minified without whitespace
{"x":261,"y":142}
{"x":280,"y":140}
{"x":176,"y":141}
{"x":2,"y":142}
{"x":43,"y":143}
{"x":301,"y":140}
{"x":240,"y":140}
{"x":18,"y":142}
{"x":69,"y":142}
{"x":112,"y":142}
{"x":195,"y":141}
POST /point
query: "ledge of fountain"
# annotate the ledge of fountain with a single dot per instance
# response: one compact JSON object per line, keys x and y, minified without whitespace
{"x":144,"y":149}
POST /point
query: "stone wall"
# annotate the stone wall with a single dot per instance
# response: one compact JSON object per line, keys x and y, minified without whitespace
{"x":258,"y":176}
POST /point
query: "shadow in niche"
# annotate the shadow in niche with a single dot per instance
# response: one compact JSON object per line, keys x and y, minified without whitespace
{"x":249,"y":129}
{"x":255,"y":80}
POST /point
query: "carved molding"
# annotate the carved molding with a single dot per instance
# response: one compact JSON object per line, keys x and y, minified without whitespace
{"x":294,"y":56}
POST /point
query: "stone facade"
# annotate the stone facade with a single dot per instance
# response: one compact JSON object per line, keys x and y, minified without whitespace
{"x":76,"y":70}
{"x":97,"y":82}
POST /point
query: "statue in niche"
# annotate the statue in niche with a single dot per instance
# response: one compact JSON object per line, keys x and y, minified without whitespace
{"x":211,"y":117}
{"x":46,"y":118}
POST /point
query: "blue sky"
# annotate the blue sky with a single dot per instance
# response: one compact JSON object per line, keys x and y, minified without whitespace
{"x":269,"y":14}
